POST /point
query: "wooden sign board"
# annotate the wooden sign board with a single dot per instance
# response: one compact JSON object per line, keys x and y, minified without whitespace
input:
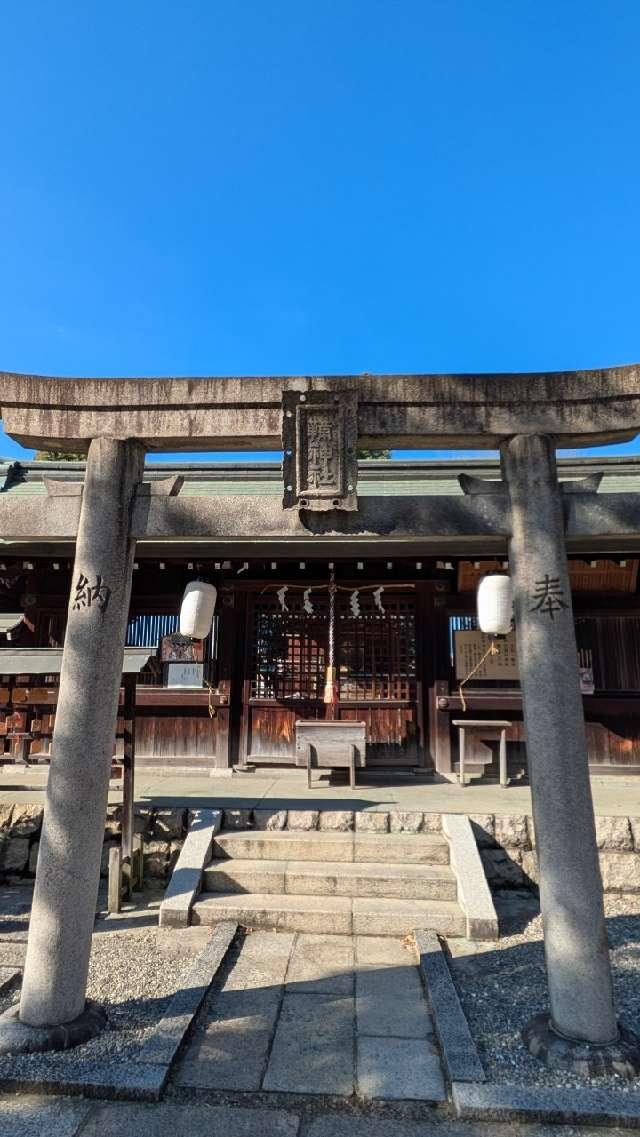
{"x":181,"y":649}
{"x":184,"y":674}
{"x":470,"y":648}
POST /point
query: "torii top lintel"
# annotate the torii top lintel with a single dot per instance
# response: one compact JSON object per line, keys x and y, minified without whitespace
{"x":578,"y":408}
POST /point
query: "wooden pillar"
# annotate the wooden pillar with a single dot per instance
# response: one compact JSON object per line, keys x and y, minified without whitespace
{"x":128,"y":790}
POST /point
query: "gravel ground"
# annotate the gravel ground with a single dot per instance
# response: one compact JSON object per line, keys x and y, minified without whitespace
{"x":503,"y":985}
{"x":133,"y":979}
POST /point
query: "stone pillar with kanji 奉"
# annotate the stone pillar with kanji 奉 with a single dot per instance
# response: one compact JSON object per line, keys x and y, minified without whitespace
{"x":68,"y":871}
{"x":576,"y":949}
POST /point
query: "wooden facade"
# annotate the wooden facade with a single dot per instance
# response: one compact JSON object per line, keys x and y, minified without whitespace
{"x":265,"y":664}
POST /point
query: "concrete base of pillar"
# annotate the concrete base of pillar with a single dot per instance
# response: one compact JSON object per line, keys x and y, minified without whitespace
{"x":592,"y":1060}
{"x":19,"y":1038}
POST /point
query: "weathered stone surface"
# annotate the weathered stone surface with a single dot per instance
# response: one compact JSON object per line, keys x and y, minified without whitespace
{"x":530,"y":866}
{"x":104,"y":857}
{"x":23,"y":1115}
{"x":580,"y":996}
{"x":482,"y":824}
{"x":620,"y":872}
{"x":156,"y":859}
{"x":372,"y":821}
{"x":322,"y":965}
{"x":186,"y":877}
{"x":399,"y":1068}
{"x":614,"y":833}
{"x":14,"y":855}
{"x":26,"y":819}
{"x":500,"y":868}
{"x":459,"y":1053}
{"x":431,"y":822}
{"x":113,"y":821}
{"x":143,"y":820}
{"x":306,"y":1060}
{"x":302,"y":819}
{"x":236,"y":819}
{"x":270,"y":818}
{"x":169,"y":824}
{"x":555,"y":1105}
{"x":173,"y":1118}
{"x":511,"y":832}
{"x":337,"y":819}
{"x":5,"y":817}
{"x":401,"y":822}
{"x":390,"y":1002}
{"x":33,"y":857}
{"x":634,"y":823}
{"x":474,"y":894}
{"x":175,"y":848}
{"x":532,"y":832}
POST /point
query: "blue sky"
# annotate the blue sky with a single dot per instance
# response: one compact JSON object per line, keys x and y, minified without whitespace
{"x":298,"y":187}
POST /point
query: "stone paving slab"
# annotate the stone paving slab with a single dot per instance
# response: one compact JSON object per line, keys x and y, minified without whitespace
{"x":262,"y":962}
{"x":322,"y":965}
{"x":391,"y":1002}
{"x":27,"y":1115}
{"x":177,"y":1119}
{"x":231,"y":1051}
{"x":312,"y":1050}
{"x":349,"y":1125}
{"x":399,"y":1068}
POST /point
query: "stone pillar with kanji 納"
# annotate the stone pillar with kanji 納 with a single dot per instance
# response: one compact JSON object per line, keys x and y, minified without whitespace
{"x":68,"y":872}
{"x":576,"y":949}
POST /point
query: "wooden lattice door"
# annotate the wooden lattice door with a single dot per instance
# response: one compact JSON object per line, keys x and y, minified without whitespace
{"x":376,"y":666}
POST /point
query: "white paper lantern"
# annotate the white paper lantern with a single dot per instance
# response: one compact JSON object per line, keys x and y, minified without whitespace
{"x":495,"y":605}
{"x":197,"y":608}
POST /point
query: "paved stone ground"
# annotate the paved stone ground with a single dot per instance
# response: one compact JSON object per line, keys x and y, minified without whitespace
{"x":31,"y":1116}
{"x":287,"y":789}
{"x":314,"y":1014}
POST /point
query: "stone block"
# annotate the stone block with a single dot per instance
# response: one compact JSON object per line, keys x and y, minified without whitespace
{"x":399,"y":1068}
{"x":431,"y":822}
{"x":634,"y":824}
{"x":620,"y":872}
{"x":175,"y":848}
{"x":340,"y":820}
{"x":185,"y":881}
{"x":372,"y":822}
{"x":500,"y":868}
{"x":104,"y":858}
{"x":26,"y":820}
{"x":531,"y":831}
{"x":614,"y":833}
{"x":113,"y":821}
{"x":400,"y":822}
{"x":156,"y":859}
{"x":33,"y":857}
{"x":302,"y":819}
{"x":482,"y":825}
{"x":5,"y":817}
{"x":169,"y":824}
{"x":270,"y":818}
{"x":236,"y":819}
{"x":510,"y":832}
{"x":14,"y":855}
{"x":530,"y":866}
{"x":143,"y":820}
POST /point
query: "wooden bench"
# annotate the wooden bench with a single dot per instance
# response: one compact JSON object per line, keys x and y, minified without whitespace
{"x":330,"y":745}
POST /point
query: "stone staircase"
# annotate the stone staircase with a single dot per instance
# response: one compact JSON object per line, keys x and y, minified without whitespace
{"x":331,"y":882}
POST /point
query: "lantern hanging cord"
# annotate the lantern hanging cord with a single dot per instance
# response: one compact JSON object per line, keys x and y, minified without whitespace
{"x":493,"y":649}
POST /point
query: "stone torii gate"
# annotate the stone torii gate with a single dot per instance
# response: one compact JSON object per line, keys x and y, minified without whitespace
{"x":319,"y":422}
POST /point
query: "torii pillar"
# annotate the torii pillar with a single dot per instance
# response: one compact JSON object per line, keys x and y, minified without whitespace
{"x":53,"y":1012}
{"x":582,"y":1023}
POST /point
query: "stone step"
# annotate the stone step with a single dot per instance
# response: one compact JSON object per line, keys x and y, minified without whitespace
{"x":326,"y":878}
{"x":387,"y":848}
{"x":338,"y":915}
